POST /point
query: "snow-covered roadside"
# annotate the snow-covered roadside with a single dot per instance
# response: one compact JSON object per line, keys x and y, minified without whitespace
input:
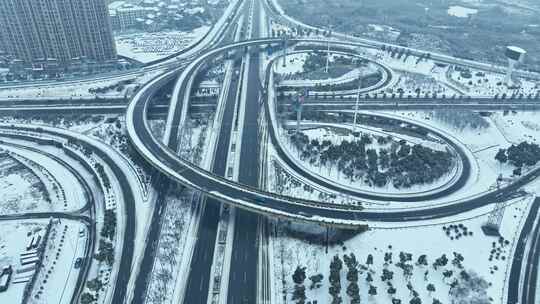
{"x":57,"y":279}
{"x":85,"y":89}
{"x":78,"y":123}
{"x":171,"y":248}
{"x":113,"y":133}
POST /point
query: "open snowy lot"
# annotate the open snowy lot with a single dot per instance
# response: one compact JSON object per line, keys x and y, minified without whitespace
{"x":147,"y":47}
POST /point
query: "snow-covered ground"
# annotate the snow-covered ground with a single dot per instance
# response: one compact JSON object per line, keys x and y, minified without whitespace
{"x":500,"y":132}
{"x":147,"y":47}
{"x":413,"y":83}
{"x":116,"y":87}
{"x":488,"y":257}
{"x":13,"y":242}
{"x":490,"y":84}
{"x":518,"y":126}
{"x":432,"y":77}
{"x":294,"y":63}
{"x":78,"y":123}
{"x":337,"y":136}
{"x":20,"y":189}
{"x":461,"y":11}
{"x":174,"y":233}
{"x":56,"y":277}
{"x":65,"y":191}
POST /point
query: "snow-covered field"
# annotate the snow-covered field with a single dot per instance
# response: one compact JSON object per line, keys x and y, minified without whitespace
{"x":147,"y":47}
{"x":64,"y":190}
{"x":487,"y":257}
{"x":20,"y":189}
{"x":337,"y":136}
{"x":430,"y":240}
{"x":294,"y":63}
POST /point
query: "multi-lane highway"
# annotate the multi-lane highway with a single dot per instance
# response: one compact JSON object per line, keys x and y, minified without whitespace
{"x":242,"y":286}
{"x":253,"y":199}
{"x":121,"y":291}
{"x":245,"y":193}
{"x":524,"y":268}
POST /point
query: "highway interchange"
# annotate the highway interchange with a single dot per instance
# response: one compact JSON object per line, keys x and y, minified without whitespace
{"x":247,"y":103}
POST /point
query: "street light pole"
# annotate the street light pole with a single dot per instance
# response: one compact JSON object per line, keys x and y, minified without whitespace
{"x":299,"y":102}
{"x":327,"y":58}
{"x":355,"y":131}
{"x":285,"y":50}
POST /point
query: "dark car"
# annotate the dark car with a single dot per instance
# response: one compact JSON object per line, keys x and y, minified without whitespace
{"x":78,"y":263}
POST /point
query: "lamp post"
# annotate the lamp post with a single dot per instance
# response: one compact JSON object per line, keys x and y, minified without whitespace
{"x":355,"y":126}
{"x":328,"y":51}
{"x":285,"y":37}
{"x":298,"y":107}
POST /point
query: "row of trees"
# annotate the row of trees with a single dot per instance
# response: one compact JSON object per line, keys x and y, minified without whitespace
{"x":109,"y":224}
{"x":103,"y":175}
{"x":169,"y":247}
{"x":299,"y":31}
{"x":105,"y":252}
{"x":462,"y":120}
{"x":119,"y":87}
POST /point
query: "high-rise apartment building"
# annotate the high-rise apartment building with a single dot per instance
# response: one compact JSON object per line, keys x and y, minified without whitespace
{"x":56,"y":31}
